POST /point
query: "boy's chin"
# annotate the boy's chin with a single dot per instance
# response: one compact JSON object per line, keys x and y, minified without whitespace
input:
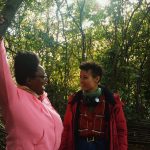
{"x":85,"y":89}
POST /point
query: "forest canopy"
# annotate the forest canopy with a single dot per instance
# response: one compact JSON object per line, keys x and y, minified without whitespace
{"x":113,"y":33}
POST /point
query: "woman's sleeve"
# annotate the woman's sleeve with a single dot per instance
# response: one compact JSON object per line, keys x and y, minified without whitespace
{"x":8,"y":89}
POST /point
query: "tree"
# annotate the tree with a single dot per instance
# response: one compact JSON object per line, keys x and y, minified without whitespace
{"x":7,"y":14}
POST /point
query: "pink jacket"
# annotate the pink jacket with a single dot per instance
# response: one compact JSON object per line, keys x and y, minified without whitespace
{"x":31,"y":124}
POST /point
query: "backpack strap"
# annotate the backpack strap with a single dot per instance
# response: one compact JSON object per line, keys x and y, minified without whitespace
{"x":76,"y":97}
{"x":108,"y":95}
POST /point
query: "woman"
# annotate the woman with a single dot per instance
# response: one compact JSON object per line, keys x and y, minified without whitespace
{"x":30,"y":120}
{"x":94,"y":118}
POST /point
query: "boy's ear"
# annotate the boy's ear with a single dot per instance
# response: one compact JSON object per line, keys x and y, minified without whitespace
{"x":97,"y":79}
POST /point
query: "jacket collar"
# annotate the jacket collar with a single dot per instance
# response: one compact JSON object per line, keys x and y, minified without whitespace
{"x":109,"y":97}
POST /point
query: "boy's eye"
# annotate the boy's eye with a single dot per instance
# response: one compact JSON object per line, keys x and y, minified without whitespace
{"x":83,"y":77}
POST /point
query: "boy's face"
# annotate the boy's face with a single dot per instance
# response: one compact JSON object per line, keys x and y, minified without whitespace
{"x":87,"y":81}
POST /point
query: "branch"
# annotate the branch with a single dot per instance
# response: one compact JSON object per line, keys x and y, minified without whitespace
{"x":132,"y":14}
{"x":137,"y":29}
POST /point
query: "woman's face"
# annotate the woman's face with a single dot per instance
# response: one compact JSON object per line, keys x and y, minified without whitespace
{"x":38,"y":82}
{"x":87,"y":81}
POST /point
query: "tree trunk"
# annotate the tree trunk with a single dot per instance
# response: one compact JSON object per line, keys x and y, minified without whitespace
{"x":7,"y":14}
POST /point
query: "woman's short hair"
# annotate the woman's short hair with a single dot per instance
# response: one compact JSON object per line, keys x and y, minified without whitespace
{"x":26,"y":65}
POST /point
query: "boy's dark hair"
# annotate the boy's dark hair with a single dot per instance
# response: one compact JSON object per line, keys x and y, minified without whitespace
{"x":26,"y":64}
{"x":95,"y":68}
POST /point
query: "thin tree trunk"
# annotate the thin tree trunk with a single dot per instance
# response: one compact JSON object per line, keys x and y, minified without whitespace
{"x":7,"y":14}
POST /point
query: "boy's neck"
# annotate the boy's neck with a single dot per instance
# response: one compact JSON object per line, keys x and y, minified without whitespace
{"x":91,"y":90}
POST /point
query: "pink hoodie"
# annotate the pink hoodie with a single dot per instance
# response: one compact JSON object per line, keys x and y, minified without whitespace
{"x":31,"y":124}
